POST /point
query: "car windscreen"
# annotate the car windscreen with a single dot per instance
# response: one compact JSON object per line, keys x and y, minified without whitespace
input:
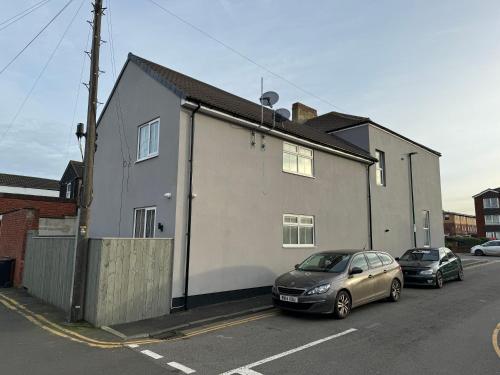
{"x":325,"y":263}
{"x":421,"y":255}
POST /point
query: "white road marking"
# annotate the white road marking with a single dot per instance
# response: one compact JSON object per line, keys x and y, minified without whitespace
{"x":241,"y":370}
{"x":133,"y":346}
{"x":181,"y":367}
{"x":151,"y":354}
{"x":247,"y":371}
{"x":482,"y":264}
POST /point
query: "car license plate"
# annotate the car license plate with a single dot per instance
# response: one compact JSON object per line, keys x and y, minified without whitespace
{"x":289,"y":298}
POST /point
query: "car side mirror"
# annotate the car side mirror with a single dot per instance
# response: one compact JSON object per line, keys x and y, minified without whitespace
{"x":296,"y":266}
{"x":396,"y":259}
{"x":355,"y":271}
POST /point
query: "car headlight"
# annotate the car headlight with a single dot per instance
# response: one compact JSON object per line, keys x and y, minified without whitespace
{"x":318,"y":290}
{"x":427,"y":272}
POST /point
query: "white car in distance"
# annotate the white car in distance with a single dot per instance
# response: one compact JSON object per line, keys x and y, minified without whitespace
{"x":487,"y":248}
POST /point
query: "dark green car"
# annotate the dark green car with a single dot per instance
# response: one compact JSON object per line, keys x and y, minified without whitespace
{"x":430,"y":266}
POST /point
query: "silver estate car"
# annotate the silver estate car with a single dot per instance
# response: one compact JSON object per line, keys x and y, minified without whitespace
{"x":334,"y":282}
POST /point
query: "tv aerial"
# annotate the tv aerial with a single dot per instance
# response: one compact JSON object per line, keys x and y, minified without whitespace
{"x":269,"y":99}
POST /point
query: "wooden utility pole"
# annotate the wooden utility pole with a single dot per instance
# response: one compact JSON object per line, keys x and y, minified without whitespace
{"x":81,"y":246}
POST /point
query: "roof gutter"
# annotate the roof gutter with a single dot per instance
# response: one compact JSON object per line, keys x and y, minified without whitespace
{"x":251,"y":125}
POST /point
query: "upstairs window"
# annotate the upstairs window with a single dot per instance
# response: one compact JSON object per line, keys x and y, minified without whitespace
{"x":144,"y":222}
{"x":490,"y":203}
{"x":380,"y":167}
{"x":492,"y":219}
{"x":297,"y":159}
{"x":68,"y":190}
{"x":427,"y":228}
{"x":148,"y":140}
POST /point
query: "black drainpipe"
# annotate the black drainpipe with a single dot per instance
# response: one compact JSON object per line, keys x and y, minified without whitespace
{"x":370,"y":229}
{"x":190,"y":209}
{"x":412,"y":200}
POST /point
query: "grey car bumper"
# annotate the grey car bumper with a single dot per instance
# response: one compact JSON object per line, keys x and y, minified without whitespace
{"x":319,"y":304}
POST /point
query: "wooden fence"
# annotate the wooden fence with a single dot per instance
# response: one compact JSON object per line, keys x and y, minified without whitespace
{"x":127,"y":279}
{"x":48,"y":269}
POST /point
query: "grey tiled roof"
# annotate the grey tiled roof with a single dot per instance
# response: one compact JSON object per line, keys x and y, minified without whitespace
{"x":77,"y":167}
{"x":28,"y":182}
{"x":215,"y":98}
{"x":334,"y":121}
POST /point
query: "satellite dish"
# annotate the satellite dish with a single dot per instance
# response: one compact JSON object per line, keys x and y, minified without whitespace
{"x":269,"y":98}
{"x":282,"y":115}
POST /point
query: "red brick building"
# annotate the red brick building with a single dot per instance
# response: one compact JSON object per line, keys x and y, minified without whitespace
{"x":487,"y":204}
{"x":20,"y":213}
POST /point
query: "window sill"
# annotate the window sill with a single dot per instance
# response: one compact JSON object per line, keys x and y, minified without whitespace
{"x":147,"y":158}
{"x":299,"y":246}
{"x":299,"y":174}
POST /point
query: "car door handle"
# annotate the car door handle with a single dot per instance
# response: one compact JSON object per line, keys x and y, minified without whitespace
{"x":370,"y":276}
{"x":385,"y":271}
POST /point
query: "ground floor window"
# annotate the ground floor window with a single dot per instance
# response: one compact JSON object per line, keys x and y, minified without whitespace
{"x":144,"y":222}
{"x":298,"y":230}
{"x":426,"y":228}
{"x":493,"y":235}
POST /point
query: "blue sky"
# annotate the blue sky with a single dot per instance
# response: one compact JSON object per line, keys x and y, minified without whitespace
{"x":427,"y":69}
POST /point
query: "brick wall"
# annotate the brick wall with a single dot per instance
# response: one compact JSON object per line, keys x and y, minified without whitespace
{"x":13,"y":231}
{"x":21,"y":213}
{"x":478,"y":205}
{"x":47,"y":206}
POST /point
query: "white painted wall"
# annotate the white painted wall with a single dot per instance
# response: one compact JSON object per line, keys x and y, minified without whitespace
{"x":241,"y":195}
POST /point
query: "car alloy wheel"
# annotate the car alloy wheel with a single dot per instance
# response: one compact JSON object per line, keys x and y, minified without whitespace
{"x":439,"y":280}
{"x":478,"y":253}
{"x":342,"y":305}
{"x":460,"y":276}
{"x":395,"y":291}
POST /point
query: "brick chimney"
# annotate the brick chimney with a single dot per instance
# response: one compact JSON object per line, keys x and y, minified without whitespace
{"x":301,"y":113}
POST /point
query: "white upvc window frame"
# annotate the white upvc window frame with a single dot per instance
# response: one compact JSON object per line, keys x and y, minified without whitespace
{"x":299,"y":224}
{"x":426,"y":227}
{"x":492,"y":219}
{"x":491,"y":202}
{"x":69,"y":186}
{"x":146,"y":210}
{"x":300,"y":152}
{"x":493,"y":235}
{"x":149,"y":154}
{"x":380,"y":168}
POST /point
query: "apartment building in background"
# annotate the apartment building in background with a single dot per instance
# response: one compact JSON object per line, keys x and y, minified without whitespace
{"x":457,"y":224}
{"x":487,"y":205}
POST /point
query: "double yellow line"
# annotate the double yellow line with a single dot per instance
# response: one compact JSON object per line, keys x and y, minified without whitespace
{"x":60,"y":331}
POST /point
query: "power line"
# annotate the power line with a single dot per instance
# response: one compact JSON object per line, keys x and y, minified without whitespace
{"x":113,"y":65}
{"x":120,"y":125}
{"x":234,"y":50}
{"x":68,"y":138}
{"x":2,"y":137}
{"x":21,"y":15}
{"x":35,"y":37}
